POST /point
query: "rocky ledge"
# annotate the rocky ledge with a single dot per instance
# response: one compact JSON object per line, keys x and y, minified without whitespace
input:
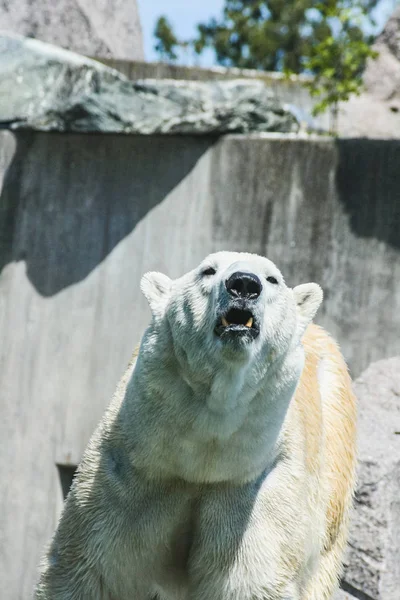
{"x":45,"y":88}
{"x":372,"y":569}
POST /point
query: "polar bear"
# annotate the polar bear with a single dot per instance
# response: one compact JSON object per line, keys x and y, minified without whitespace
{"x":224,"y":466}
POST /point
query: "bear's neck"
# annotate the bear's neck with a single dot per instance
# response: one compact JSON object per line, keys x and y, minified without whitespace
{"x":218,"y":430}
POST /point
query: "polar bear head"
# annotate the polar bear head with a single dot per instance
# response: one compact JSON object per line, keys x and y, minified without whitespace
{"x":233,"y":309}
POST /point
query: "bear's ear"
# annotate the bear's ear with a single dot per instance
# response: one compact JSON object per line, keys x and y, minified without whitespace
{"x":308,"y":298}
{"x":156,"y":287}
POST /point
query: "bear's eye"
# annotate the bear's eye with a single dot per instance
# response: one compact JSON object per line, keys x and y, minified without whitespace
{"x":209,"y":271}
{"x":272,"y":279}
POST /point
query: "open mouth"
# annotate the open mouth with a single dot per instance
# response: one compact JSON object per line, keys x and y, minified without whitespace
{"x":237,"y":322}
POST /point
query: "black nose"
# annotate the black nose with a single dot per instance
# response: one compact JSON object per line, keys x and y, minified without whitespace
{"x":244,"y":285}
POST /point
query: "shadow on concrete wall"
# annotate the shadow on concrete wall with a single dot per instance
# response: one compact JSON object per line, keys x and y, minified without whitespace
{"x":368,"y":183}
{"x":68,"y":200}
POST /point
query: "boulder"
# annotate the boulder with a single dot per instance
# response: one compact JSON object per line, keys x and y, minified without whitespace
{"x":92,"y":27}
{"x":390,"y":36}
{"x":372,"y":569}
{"x":45,"y":88}
{"x":376,"y":112}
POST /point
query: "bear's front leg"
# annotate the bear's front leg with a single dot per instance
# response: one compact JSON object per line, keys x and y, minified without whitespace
{"x":244,"y":547}
{"x":228,"y":586}
{"x":114,"y":536}
{"x":72,"y":570}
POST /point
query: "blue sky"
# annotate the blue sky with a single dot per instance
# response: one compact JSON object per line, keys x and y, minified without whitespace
{"x":182,"y":14}
{"x":185,"y":14}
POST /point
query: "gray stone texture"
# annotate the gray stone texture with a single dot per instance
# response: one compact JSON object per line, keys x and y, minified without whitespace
{"x":93,"y":27}
{"x":376,"y":112}
{"x":286,"y":90}
{"x":390,"y":36}
{"x":373,"y":561}
{"x":45,"y":88}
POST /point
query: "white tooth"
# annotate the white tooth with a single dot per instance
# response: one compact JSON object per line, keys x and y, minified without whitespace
{"x":249,"y":322}
{"x":225,"y":322}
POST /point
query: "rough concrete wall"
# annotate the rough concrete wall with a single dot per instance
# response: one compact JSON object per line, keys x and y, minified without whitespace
{"x":96,"y":27}
{"x":82,"y":217}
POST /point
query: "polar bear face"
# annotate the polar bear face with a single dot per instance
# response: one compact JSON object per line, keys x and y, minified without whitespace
{"x":234,"y":308}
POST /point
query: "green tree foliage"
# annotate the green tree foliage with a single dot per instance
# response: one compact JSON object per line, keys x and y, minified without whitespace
{"x":255,"y":34}
{"x":337,"y":60}
{"x":325,"y":38}
{"x":166,"y":41}
{"x":279,"y":35}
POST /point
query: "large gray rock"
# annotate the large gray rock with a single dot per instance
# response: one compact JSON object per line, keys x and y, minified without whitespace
{"x":390,"y":36}
{"x":382,"y":75}
{"x":376,"y":112}
{"x":373,"y":563}
{"x":45,"y":88}
{"x":93,"y":27}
